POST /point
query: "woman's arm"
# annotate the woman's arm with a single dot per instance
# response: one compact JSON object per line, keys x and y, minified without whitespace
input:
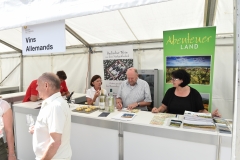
{"x":203,"y":111}
{"x":167,"y":97}
{"x":161,"y":109}
{"x":89,"y":101}
{"x":8,"y":121}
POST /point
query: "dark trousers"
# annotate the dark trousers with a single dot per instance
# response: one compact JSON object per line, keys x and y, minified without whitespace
{"x":3,"y":150}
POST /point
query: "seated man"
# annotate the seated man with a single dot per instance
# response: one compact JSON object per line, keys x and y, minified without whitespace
{"x":133,"y":92}
{"x":31,"y":93}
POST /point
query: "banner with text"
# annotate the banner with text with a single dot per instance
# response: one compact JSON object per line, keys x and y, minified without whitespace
{"x":116,"y":61}
{"x":44,"y":38}
{"x":192,"y":50}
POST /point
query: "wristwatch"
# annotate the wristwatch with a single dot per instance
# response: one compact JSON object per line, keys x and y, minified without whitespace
{"x":138,"y":104}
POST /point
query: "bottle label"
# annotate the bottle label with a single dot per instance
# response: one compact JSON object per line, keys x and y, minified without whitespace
{"x":101,"y":105}
{"x":102,"y":98}
{"x":110,"y":103}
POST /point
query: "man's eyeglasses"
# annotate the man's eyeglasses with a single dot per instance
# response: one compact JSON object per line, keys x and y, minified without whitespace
{"x":174,"y":79}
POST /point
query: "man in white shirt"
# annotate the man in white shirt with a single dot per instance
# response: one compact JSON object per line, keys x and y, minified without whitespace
{"x":51,"y":133}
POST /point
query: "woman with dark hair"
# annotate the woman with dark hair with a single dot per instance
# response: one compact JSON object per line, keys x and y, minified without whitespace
{"x":95,"y":90}
{"x":182,"y":97}
{"x":64,"y":90}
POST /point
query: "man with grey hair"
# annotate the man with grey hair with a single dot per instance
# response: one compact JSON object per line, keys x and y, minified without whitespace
{"x":51,"y":133}
{"x":133,"y":92}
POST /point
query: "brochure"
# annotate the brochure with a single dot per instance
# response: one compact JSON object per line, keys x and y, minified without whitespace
{"x":175,"y":123}
{"x":160,"y":118}
{"x":124,"y":116}
{"x":199,"y":120}
{"x":222,"y":128}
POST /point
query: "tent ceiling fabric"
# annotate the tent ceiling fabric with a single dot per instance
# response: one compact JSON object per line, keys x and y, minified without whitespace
{"x":138,"y":23}
{"x":224,"y":17}
{"x":12,"y":36}
{"x":149,"y":22}
{"x":146,"y":22}
{"x":101,"y":28}
{"x":19,"y":13}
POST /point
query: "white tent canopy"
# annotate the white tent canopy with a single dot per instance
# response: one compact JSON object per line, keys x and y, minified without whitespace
{"x":132,"y":24}
{"x":92,"y":24}
{"x":140,"y":26}
{"x":21,"y":12}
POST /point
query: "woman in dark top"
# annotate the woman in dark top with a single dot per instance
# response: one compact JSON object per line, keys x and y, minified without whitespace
{"x":182,"y":97}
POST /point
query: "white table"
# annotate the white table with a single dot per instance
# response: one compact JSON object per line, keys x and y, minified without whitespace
{"x":146,"y":141}
{"x":94,"y":137}
{"x":18,"y":96}
{"x":8,"y":89}
{"x":13,"y":97}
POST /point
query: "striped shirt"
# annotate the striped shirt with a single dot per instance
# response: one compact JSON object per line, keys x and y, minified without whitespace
{"x":132,"y":94}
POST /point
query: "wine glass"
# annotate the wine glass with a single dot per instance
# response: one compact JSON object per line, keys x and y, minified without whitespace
{"x":29,"y":120}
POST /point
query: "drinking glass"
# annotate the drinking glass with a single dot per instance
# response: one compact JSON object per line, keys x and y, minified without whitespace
{"x":29,"y":120}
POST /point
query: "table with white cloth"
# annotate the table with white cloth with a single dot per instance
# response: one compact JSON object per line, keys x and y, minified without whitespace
{"x":13,"y":97}
{"x":94,"y":137}
{"x":8,"y":89}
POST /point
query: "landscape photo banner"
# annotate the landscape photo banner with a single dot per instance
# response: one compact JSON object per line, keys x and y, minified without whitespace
{"x":192,"y":50}
{"x":116,"y":61}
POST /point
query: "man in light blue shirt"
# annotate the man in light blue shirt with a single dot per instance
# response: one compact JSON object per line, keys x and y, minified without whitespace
{"x":133,"y":93}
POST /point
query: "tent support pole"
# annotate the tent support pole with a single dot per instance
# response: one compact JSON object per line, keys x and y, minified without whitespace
{"x":209,"y":13}
{"x":72,"y":32}
{"x":128,"y":25}
{"x":21,"y":73}
{"x":236,"y":99}
{"x":89,"y":67}
{"x":11,"y":46}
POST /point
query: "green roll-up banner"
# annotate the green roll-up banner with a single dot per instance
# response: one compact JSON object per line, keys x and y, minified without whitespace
{"x":192,"y":50}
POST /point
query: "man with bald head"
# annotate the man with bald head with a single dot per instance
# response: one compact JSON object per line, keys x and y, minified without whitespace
{"x":51,"y":133}
{"x":133,"y":93}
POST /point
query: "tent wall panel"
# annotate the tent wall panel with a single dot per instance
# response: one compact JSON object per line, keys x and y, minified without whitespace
{"x":97,"y":66}
{"x":7,"y":65}
{"x":152,"y":59}
{"x":75,"y":66}
{"x":223,"y":81}
{"x":33,"y":67}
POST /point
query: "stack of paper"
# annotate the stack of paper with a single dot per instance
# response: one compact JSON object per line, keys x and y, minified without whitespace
{"x":199,"y":120}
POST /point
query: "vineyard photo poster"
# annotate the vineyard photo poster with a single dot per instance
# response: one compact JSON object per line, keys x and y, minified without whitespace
{"x":192,"y":50}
